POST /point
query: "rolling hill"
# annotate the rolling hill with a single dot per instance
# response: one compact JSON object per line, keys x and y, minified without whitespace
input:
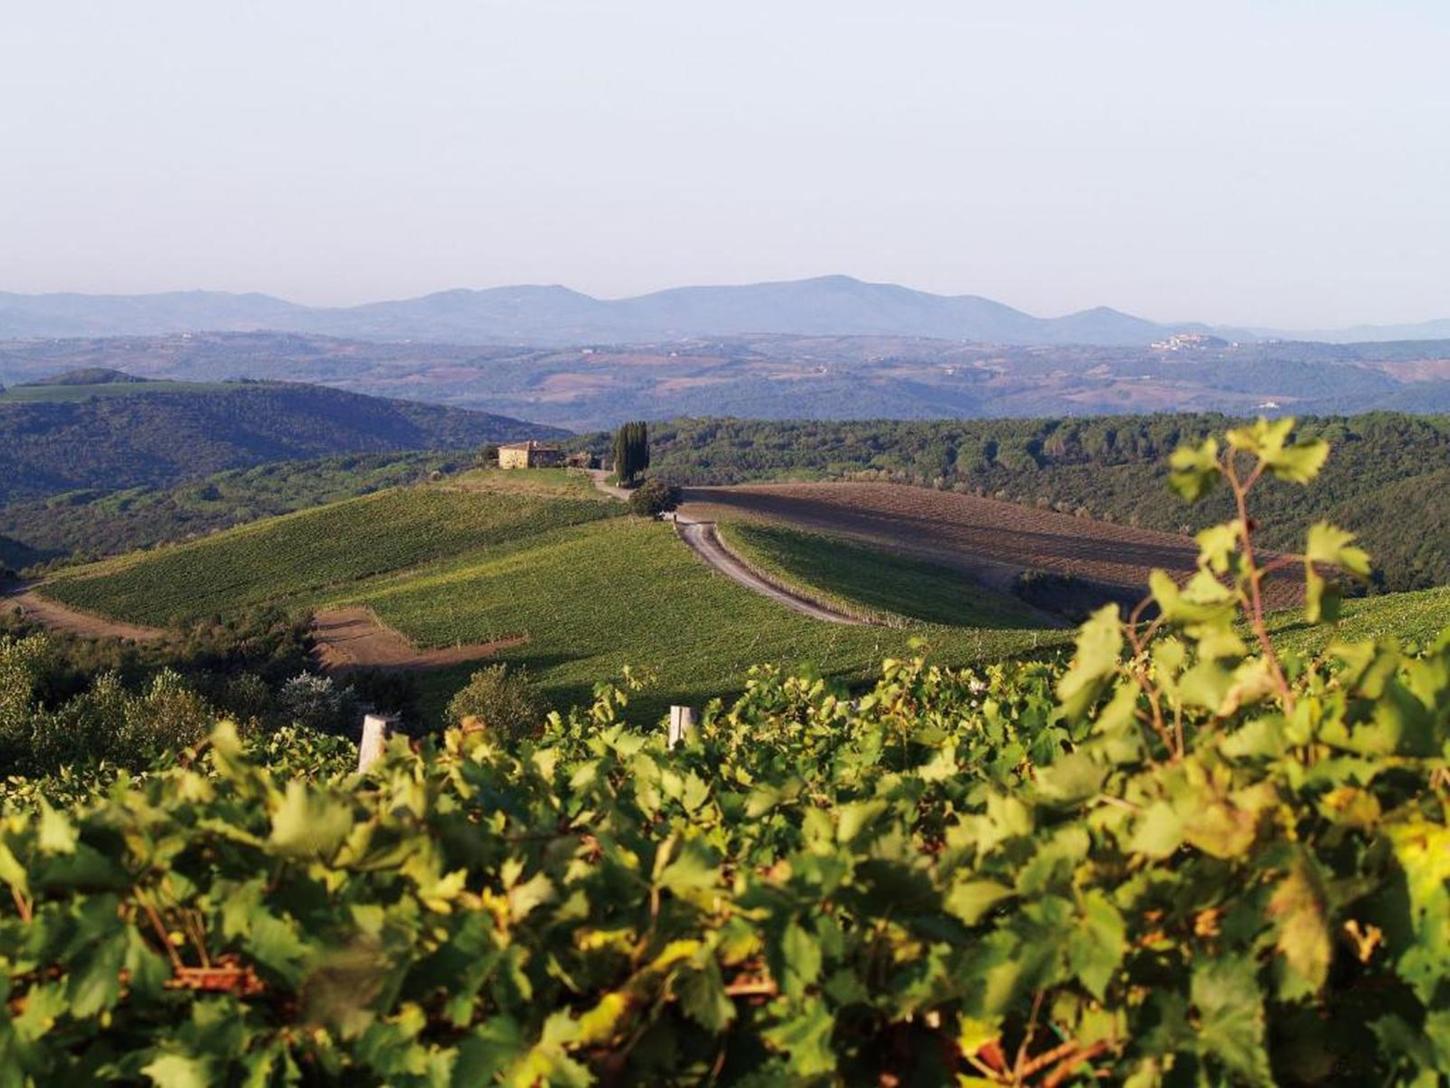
{"x":90,"y":525}
{"x":787,"y":377}
{"x":122,"y":434}
{"x":515,"y":556}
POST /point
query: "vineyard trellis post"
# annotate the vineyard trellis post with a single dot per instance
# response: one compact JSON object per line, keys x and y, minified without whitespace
{"x":682,"y":720}
{"x":374,"y":735}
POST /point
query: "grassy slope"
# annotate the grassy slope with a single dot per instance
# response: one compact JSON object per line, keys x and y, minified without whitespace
{"x":595,"y":598}
{"x":297,"y":557}
{"x":559,"y":482}
{"x":92,"y":524}
{"x":870,"y":582}
{"x":1413,"y":618}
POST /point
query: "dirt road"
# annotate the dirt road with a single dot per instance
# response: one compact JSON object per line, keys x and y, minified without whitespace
{"x":58,"y":617}
{"x":601,"y":481}
{"x":704,"y":541}
{"x":354,"y":638}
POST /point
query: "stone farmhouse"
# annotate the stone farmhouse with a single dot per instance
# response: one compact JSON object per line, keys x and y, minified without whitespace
{"x":529,"y":454}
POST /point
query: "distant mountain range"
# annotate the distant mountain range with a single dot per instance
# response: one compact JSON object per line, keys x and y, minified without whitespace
{"x":553,"y":315}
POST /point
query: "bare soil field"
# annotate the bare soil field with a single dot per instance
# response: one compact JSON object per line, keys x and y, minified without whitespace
{"x":59,"y":617}
{"x":354,"y":638}
{"x":988,"y":539}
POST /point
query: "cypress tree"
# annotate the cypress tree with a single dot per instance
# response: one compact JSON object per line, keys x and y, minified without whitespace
{"x":631,"y":451}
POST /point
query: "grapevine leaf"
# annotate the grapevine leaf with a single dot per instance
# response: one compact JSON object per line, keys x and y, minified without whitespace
{"x":601,"y":1023}
{"x":1299,"y":910}
{"x":1298,"y":462}
{"x":1423,"y":851}
{"x":800,"y":955}
{"x":1225,"y":995}
{"x":179,"y":1071}
{"x":492,"y":1047}
{"x":1096,"y":946}
{"x":1331,"y":545}
{"x":1301,"y":462}
{"x":309,"y":825}
{"x":95,"y":984}
{"x":971,"y":900}
{"x":1159,"y":832}
{"x":1099,"y":642}
{"x":856,"y":817}
{"x":806,"y":1038}
{"x":57,"y":834}
{"x":1071,"y":778}
{"x":694,"y":868}
{"x":1217,"y":545}
{"x":703,"y":998}
{"x":11,"y":871}
{"x":1194,"y":470}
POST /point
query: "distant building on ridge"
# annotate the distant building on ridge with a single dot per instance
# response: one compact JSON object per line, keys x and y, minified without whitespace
{"x":529,"y":454}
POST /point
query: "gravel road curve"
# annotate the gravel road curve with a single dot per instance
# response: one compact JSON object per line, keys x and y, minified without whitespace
{"x":703,"y":539}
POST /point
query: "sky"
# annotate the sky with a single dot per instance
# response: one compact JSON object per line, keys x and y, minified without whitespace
{"x":1260,"y":163}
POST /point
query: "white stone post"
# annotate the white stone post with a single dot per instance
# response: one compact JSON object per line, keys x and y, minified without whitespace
{"x":374,"y":736}
{"x":682,"y":718}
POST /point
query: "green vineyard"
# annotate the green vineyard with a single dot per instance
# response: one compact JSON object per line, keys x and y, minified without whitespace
{"x":299,"y":555}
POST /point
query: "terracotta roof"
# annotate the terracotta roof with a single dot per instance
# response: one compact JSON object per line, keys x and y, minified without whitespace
{"x":529,"y":445}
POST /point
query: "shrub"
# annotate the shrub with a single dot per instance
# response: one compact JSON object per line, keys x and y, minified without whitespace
{"x":315,"y":702}
{"x":653,"y":497}
{"x":501,"y":700}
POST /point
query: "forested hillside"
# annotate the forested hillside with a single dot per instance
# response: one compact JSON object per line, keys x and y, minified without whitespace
{"x":1387,"y":480}
{"x":89,"y":524}
{"x":126,"y":435}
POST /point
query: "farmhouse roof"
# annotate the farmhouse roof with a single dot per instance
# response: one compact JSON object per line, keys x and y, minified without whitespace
{"x":531,"y":444}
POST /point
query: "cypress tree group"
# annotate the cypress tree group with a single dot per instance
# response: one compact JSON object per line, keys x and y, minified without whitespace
{"x":631,"y":451}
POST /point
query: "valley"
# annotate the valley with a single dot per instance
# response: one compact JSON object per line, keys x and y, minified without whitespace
{"x":594,"y":383}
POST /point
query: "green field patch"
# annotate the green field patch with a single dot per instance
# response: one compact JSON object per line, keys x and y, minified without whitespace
{"x":1416,"y":618}
{"x":596,"y":598}
{"x":867,"y":581}
{"x":296,"y":557}
{"x":561,"y":482}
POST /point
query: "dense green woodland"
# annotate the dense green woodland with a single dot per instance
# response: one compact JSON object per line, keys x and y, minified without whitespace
{"x":1389,"y":478}
{"x":1189,"y":856}
{"x":127,"y":437}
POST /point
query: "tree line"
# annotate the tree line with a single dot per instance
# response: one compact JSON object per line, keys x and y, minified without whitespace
{"x":1386,"y":466}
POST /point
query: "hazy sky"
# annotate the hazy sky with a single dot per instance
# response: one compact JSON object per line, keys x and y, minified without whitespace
{"x":1268,"y":162}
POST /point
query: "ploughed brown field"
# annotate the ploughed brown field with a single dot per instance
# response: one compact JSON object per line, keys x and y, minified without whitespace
{"x":988,"y":539}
